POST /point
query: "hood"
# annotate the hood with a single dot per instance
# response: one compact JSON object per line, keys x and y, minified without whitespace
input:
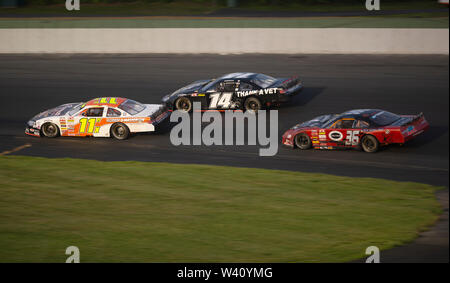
{"x":195,"y":86}
{"x":317,"y":122}
{"x":57,"y":111}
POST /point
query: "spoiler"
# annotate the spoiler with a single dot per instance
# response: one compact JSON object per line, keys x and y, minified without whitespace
{"x":290,"y":82}
{"x":418,"y":116}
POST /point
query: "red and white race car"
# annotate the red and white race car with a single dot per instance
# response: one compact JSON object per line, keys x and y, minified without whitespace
{"x":99,"y":117}
{"x":365,"y":128}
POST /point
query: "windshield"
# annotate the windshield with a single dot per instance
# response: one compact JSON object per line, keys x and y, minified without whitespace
{"x":383,"y":118}
{"x":194,"y":85}
{"x":317,"y":122}
{"x":263,"y":80}
{"x":76,"y":108}
{"x":209,"y":85}
{"x":132,"y":107}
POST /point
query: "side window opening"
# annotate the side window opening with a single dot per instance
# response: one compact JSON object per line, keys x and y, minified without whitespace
{"x":245,"y":86}
{"x":113,"y":113}
{"x":360,"y":124}
{"x":227,"y":86}
{"x":94,"y":112}
{"x":213,"y":88}
{"x":344,"y":124}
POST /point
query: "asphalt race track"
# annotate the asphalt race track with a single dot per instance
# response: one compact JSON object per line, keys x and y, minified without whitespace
{"x":333,"y":83}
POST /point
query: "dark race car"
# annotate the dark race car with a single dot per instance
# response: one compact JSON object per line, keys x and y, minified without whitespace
{"x":246,"y":91}
{"x":366,"y":128}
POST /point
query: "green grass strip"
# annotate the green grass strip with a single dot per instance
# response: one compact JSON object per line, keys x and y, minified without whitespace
{"x":161,"y":212}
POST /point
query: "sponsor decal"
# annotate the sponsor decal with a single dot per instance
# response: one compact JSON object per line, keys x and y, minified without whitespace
{"x":128,"y":120}
{"x":336,"y":136}
{"x":62,"y":122}
{"x":104,"y":100}
{"x":322,"y":137}
{"x":265,"y":91}
{"x":408,"y":130}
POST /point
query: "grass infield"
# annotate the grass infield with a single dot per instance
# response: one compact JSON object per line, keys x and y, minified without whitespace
{"x":161,"y":212}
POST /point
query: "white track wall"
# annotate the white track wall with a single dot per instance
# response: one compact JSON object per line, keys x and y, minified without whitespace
{"x":226,"y":40}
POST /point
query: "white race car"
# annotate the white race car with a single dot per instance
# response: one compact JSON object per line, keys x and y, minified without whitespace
{"x":99,"y":117}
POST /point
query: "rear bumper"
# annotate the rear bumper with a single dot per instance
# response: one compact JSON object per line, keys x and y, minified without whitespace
{"x":415,"y":129}
{"x":289,"y":94}
{"x":32,"y":131}
{"x":415,"y":133}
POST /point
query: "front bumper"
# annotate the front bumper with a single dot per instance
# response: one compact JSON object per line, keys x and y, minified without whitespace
{"x":288,"y":140}
{"x":160,"y":116}
{"x":32,"y":131}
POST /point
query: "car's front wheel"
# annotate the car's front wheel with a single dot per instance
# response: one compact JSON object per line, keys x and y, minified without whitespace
{"x":370,"y":144}
{"x":183,"y":104}
{"x":120,"y":131}
{"x":302,"y":141}
{"x":50,"y":130}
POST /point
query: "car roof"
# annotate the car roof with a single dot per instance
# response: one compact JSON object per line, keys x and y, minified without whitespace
{"x":359,"y":113}
{"x":106,"y":101}
{"x":242,"y":75}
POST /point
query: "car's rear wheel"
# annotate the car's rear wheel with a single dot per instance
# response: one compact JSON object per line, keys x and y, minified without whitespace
{"x":303,"y":141}
{"x":252,"y":104}
{"x":370,"y":144}
{"x":183,"y":104}
{"x":120,"y":131}
{"x":50,"y":130}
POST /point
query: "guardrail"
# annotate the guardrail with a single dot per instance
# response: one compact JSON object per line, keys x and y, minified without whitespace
{"x":226,"y":40}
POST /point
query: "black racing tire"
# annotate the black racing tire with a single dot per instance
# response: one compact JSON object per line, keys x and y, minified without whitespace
{"x":50,"y":130}
{"x":183,"y":104}
{"x":370,"y":144}
{"x":252,"y":104}
{"x":302,"y":141}
{"x":120,"y":131}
